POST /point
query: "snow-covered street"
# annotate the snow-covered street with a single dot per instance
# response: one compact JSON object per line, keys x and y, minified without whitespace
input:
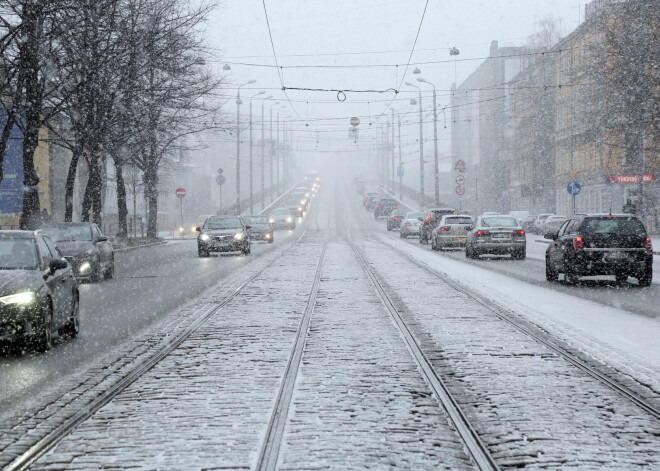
{"x":357,"y":398}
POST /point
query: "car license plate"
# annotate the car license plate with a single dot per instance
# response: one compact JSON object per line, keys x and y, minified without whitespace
{"x":459,"y":239}
{"x":500,"y":235}
{"x":615,"y":255}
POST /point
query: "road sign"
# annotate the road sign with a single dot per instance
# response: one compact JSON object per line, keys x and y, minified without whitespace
{"x":574,"y":188}
{"x":460,"y":166}
{"x":460,"y":190}
{"x":220,"y":170}
{"x":220,"y":179}
{"x":355,"y":121}
{"x":460,"y":179}
{"x":180,"y":192}
{"x":573,"y":175}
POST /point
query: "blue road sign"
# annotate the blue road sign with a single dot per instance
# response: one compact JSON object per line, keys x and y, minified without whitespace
{"x":574,"y":188}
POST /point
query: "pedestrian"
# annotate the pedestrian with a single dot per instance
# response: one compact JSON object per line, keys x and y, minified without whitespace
{"x":45,"y":217}
{"x":629,"y":207}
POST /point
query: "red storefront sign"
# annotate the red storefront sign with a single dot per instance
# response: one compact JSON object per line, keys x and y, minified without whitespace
{"x":648,"y":178}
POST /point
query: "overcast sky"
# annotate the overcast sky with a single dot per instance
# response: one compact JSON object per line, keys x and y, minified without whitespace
{"x":371,"y":36}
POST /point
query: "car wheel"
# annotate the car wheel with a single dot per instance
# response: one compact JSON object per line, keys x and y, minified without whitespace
{"x":647,"y":277}
{"x":468,"y":252}
{"x":401,"y":236}
{"x":519,"y":254}
{"x":571,"y":277}
{"x":434,"y":245}
{"x":73,"y":327}
{"x":110,"y":272}
{"x":98,"y":274}
{"x":45,"y":332}
{"x":270,"y":241}
{"x":550,"y":274}
{"x":621,"y":278}
{"x":202,"y":253}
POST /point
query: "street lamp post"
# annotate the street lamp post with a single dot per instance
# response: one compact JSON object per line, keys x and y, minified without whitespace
{"x":263,"y":153}
{"x":238,"y":145}
{"x":251,"y":160}
{"x":436,"y":170}
{"x":272,"y":157}
{"x":421,"y":147}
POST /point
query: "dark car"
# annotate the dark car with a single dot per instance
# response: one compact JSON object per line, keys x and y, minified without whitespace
{"x":260,"y":228}
{"x":38,"y":292}
{"x":371,"y":202}
{"x":431,"y":222}
{"x":597,"y":244}
{"x":497,"y":235}
{"x":223,"y":234}
{"x":384,"y":207}
{"x":394,"y":221}
{"x":89,"y":252}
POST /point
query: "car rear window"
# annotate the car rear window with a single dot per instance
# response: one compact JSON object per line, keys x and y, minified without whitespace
{"x":613,"y":225}
{"x":458,"y":220}
{"x":499,"y":222}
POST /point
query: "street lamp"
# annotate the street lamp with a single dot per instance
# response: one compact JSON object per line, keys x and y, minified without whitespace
{"x":251,"y":177}
{"x":436,"y":171}
{"x":238,"y":145}
{"x":421,"y":147}
{"x":277,"y":160}
{"x":272,"y":197}
{"x":263,"y":150}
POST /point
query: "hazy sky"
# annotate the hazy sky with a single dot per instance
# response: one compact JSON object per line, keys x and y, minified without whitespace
{"x":372,"y":37}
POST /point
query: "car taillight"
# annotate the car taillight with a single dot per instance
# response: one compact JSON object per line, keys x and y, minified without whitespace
{"x":578,"y":244}
{"x":445,"y":228}
{"x":519,"y":233}
{"x":483,"y":233}
{"x":408,"y":224}
{"x":395,"y":218}
{"x":396,"y":207}
{"x":649,"y":246}
{"x":378,"y":206}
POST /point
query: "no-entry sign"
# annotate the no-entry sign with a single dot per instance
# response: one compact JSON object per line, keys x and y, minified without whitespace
{"x":355,"y":121}
{"x":180,"y":192}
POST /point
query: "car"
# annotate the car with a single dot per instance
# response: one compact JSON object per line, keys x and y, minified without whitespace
{"x":89,"y":252}
{"x":38,"y":292}
{"x":490,"y":213}
{"x":223,"y":234}
{"x":394,"y":221}
{"x":410,"y":224}
{"x":371,"y":202}
{"x":451,"y":232}
{"x":281,"y":218}
{"x":260,"y":228}
{"x":552,"y":223}
{"x":384,"y":207}
{"x":519,"y":215}
{"x":431,"y":221}
{"x":600,"y":244}
{"x":528,"y":223}
{"x":538,"y":223}
{"x":369,"y":194}
{"x":497,"y":235}
{"x":295,"y":207}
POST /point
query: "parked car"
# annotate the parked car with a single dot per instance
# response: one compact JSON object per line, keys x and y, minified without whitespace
{"x":281,"y":218}
{"x":89,"y":252}
{"x":260,"y":228}
{"x":410,"y":224}
{"x":598,"y":244}
{"x":431,"y":221}
{"x":538,"y":224}
{"x":38,"y":292}
{"x":223,"y":234}
{"x":384,"y":207}
{"x":553,"y":223}
{"x":394,"y":221}
{"x":451,"y":232}
{"x":498,"y":235}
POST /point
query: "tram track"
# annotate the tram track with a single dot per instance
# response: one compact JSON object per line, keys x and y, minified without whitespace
{"x":126,"y":378}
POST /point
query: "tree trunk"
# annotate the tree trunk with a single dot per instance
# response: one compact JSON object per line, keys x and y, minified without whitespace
{"x":151,"y":193}
{"x":31,"y":218}
{"x":69,"y":187}
{"x":122,"y":208}
{"x":87,"y":200}
{"x":4,"y":138}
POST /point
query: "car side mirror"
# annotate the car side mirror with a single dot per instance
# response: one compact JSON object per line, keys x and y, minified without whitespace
{"x":550,"y":235}
{"x":198,"y":229}
{"x":102,"y":239}
{"x":248,"y":227}
{"x":54,"y":265}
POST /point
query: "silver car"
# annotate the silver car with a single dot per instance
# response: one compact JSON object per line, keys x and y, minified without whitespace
{"x":552,"y":224}
{"x":451,"y":232}
{"x":498,"y":235}
{"x":411,"y":224}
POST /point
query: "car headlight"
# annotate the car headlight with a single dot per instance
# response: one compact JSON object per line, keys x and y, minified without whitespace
{"x":204,"y":237}
{"x":271,"y":220}
{"x":84,"y":267}
{"x":299,"y":209}
{"x":238,"y":236}
{"x":27,"y":297}
{"x":289,"y":219}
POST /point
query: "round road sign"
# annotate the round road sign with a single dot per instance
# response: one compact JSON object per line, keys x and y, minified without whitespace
{"x":220,"y":179}
{"x":460,"y":179}
{"x":355,"y":121}
{"x":460,"y":190}
{"x":180,"y":192}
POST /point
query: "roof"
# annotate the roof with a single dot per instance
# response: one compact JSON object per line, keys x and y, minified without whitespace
{"x":17,"y":234}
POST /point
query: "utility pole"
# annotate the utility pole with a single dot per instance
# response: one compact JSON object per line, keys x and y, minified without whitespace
{"x":400,"y":162}
{"x":238,"y":152}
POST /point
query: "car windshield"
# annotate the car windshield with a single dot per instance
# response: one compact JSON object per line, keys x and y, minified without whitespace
{"x":627,"y":226}
{"x":224,"y":223}
{"x":458,"y":220}
{"x":18,"y":254}
{"x":499,"y":221}
{"x":69,"y":233}
{"x":415,"y":215}
{"x":254,"y":220}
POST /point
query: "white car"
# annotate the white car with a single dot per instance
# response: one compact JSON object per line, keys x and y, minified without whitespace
{"x":411,"y":224}
{"x":451,"y":232}
{"x":553,"y":223}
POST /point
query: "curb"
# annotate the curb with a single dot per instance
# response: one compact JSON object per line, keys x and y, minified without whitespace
{"x":126,"y":249}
